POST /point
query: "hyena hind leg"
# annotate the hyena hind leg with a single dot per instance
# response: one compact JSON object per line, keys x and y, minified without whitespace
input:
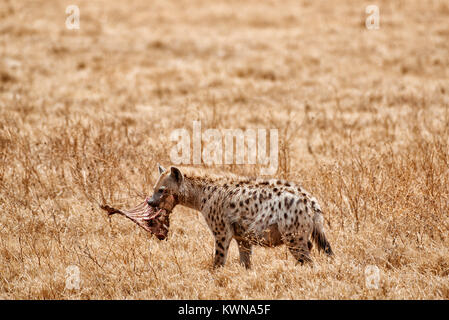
{"x":245,"y":250}
{"x":299,"y":248}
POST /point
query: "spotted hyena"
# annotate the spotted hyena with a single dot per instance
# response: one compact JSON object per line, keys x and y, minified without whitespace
{"x":251,"y":211}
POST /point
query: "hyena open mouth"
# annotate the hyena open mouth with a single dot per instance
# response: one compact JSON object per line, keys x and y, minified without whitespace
{"x":154,"y":220}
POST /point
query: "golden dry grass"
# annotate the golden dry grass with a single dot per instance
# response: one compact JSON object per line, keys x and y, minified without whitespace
{"x":86,"y":115}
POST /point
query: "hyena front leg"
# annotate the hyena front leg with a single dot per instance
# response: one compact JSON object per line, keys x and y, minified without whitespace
{"x":222,"y":241}
{"x":245,"y":250}
{"x":299,"y":247}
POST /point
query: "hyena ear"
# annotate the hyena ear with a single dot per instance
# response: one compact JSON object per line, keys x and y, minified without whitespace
{"x":176,"y":174}
{"x":161,"y":169}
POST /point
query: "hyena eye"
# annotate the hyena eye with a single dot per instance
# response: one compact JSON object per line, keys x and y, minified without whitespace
{"x":161,"y":190}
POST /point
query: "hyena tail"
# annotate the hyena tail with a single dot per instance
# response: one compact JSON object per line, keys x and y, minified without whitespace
{"x":318,"y":234}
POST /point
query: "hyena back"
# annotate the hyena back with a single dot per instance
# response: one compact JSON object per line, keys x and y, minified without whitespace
{"x":251,"y":211}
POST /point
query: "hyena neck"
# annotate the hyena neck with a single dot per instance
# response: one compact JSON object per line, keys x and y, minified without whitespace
{"x":196,"y":191}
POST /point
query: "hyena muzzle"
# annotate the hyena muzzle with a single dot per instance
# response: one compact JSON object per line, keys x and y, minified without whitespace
{"x":251,"y":211}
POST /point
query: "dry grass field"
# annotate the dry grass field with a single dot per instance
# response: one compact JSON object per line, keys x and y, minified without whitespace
{"x":85,"y":115}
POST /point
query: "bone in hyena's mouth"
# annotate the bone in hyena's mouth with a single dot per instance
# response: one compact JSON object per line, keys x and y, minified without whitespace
{"x":154,"y":220}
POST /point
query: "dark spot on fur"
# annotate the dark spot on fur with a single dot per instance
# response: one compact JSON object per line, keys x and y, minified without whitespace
{"x":287,"y":202}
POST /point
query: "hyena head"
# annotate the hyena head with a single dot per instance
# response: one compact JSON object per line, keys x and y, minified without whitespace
{"x":167,"y":189}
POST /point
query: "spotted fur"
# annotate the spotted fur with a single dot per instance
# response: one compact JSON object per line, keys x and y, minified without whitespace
{"x":251,"y":211}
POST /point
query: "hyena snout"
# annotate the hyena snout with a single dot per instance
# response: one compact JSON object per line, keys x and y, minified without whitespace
{"x":152,"y":202}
